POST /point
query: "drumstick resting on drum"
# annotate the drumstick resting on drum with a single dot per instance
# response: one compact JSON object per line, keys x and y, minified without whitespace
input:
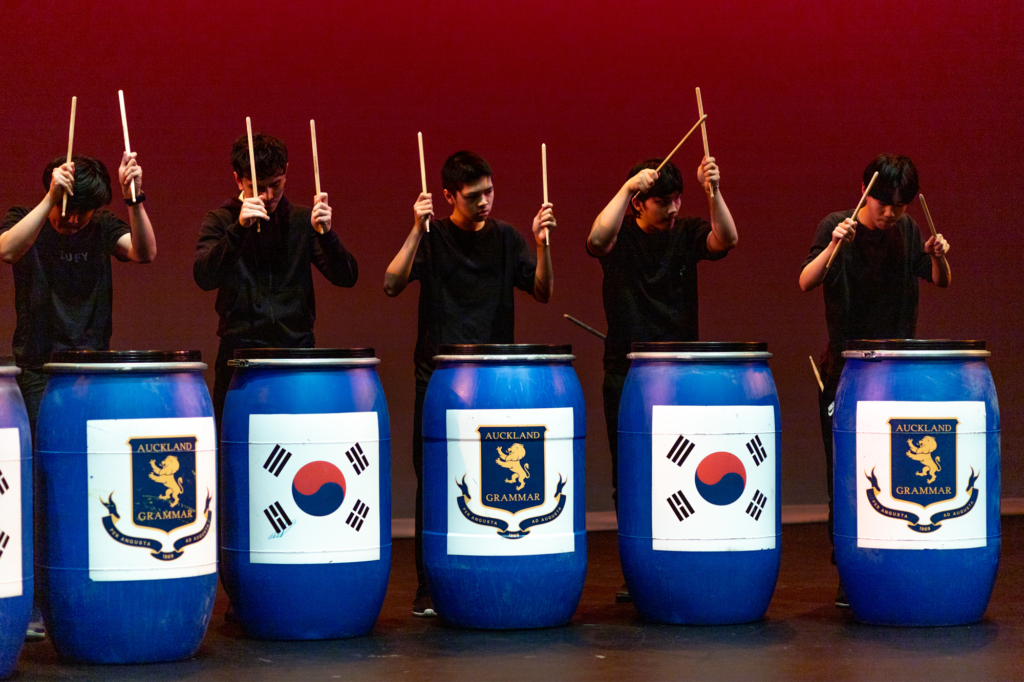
{"x":817,"y":375}
{"x":673,"y":152}
{"x":71,"y":142}
{"x":252,"y":164}
{"x":860,"y":203}
{"x":423,"y":171}
{"x":585,"y":326}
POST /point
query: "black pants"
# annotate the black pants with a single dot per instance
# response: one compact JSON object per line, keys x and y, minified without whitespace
{"x":417,"y":464}
{"x":612,"y":391}
{"x":826,"y":402}
{"x":32,"y":383}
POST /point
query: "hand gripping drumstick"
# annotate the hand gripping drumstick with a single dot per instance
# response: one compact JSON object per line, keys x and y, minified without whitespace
{"x":124,"y":126}
{"x":71,"y":141}
{"x":860,"y":203}
{"x":816,"y":374}
{"x":585,"y":326}
{"x":252,"y":165}
{"x":316,"y":166}
{"x":704,"y":132}
{"x":544,"y":173}
{"x":931,"y":226}
{"x":423,"y":172}
{"x":673,"y":152}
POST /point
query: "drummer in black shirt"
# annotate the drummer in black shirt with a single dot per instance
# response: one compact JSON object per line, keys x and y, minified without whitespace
{"x":650,"y":261}
{"x":871,"y":289}
{"x":468,"y":267}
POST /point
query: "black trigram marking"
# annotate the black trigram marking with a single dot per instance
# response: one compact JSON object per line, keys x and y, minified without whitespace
{"x":756,"y":505}
{"x":681,"y":449}
{"x":680,"y":505}
{"x":4,"y":539}
{"x":357,"y":515}
{"x":278,"y":519}
{"x":358,"y":459}
{"x":756,"y":448}
{"x":3,"y":484}
{"x":278,"y":458}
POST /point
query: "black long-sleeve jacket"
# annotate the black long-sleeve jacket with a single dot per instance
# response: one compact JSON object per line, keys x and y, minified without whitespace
{"x":264,"y":279}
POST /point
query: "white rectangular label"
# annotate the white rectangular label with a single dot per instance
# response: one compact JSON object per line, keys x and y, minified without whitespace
{"x":152,"y":498}
{"x":510,"y":482}
{"x":920,"y":477}
{"x":314,"y":488}
{"x":10,"y":513}
{"x":713,"y":478}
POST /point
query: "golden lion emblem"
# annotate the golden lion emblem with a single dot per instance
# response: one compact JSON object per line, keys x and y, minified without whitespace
{"x":165,"y":474}
{"x":923,"y":454}
{"x":511,"y":461}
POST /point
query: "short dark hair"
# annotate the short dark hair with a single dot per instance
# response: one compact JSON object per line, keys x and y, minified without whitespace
{"x":92,"y":183}
{"x":462,"y":168}
{"x":897,"y":179}
{"x":271,"y":156}
{"x":669,"y":181}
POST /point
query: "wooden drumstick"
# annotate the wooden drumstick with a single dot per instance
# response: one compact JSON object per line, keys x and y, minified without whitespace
{"x":316,"y":166}
{"x":704,"y":132}
{"x":544,"y":174}
{"x":585,"y":326}
{"x":817,"y":375}
{"x":423,"y":171}
{"x":673,"y":152}
{"x":71,"y":143}
{"x":931,"y":226}
{"x":252,"y":165}
{"x":860,"y":203}
{"x":124,"y":126}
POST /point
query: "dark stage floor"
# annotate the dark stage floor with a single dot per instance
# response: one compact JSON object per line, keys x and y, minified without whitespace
{"x":804,"y":637}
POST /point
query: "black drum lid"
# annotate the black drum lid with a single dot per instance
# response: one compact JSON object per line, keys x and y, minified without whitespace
{"x":913,"y":344}
{"x":80,"y":357}
{"x":504,"y":349}
{"x":303,"y":353}
{"x":699,"y":347}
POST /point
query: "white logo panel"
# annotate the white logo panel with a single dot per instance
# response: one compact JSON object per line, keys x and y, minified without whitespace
{"x":10,"y":513}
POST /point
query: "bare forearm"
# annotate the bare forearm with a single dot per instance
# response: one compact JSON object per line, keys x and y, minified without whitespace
{"x":814,"y":272}
{"x":941,"y":273}
{"x":15,"y":242}
{"x":608,"y":223}
{"x":544,"y":280}
{"x":723,"y":228}
{"x":143,"y":249}
{"x":397,"y":276}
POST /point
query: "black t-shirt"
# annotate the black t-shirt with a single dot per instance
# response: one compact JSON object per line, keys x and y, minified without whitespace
{"x":63,"y":292}
{"x":871,"y":290}
{"x":650,"y":286}
{"x":466,"y":286}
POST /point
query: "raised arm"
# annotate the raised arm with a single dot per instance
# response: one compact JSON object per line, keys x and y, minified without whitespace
{"x":605,"y":229}
{"x":139,"y":245}
{"x":814,"y":272}
{"x":937,"y":248}
{"x":330,"y":256}
{"x":544,"y":280}
{"x":15,"y":242}
{"x":723,"y":230}
{"x":397,"y":276}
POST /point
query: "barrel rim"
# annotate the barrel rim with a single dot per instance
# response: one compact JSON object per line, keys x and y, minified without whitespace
{"x":283,"y":363}
{"x":302,"y":353}
{"x":122,"y":367}
{"x":81,"y":357}
{"x":691,"y":347}
{"x":502,"y":349}
{"x":511,"y":359}
{"x":915,"y":345}
{"x":9,"y":370}
{"x":700,"y":357}
{"x":914,"y":354}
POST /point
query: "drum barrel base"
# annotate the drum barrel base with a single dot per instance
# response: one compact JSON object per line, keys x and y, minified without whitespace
{"x":926,"y":587}
{"x":305,"y":602}
{"x":14,"y":616}
{"x":698,"y":588}
{"x":504,"y":592}
{"x":131,"y":621}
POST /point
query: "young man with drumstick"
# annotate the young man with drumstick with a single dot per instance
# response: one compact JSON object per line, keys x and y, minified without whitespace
{"x":63,"y":284}
{"x":256,"y":250}
{"x":649,"y":258}
{"x":871,"y":287}
{"x":468,"y":266}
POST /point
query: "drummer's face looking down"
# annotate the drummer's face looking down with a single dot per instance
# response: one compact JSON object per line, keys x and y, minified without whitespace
{"x":271,"y":189}
{"x":657,"y":214}
{"x":71,"y":223}
{"x":473,"y":202}
{"x":878,"y":216}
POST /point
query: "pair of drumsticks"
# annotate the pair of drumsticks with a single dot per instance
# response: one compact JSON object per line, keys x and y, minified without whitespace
{"x":71,"y":142}
{"x":543,"y":172}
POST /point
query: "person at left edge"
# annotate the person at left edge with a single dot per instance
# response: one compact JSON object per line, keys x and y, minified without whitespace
{"x":63,"y":290}
{"x":256,"y":250}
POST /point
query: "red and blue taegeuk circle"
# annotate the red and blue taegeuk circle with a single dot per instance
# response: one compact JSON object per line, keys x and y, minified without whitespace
{"x":720,"y":478}
{"x":319,"y":488}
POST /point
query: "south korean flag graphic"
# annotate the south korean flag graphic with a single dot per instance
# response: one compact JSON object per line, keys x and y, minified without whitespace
{"x":11,"y":583}
{"x":314,"y":488}
{"x":713,"y":478}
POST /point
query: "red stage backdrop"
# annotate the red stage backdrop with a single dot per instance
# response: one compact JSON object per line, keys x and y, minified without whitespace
{"x":800,"y":96}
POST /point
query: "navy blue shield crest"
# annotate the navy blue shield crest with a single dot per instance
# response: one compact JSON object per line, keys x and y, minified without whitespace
{"x":512,"y":467}
{"x":923,"y":460}
{"x":163,"y":482}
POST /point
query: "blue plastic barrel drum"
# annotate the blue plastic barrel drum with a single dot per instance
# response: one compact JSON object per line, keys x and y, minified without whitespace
{"x":16,"y":583}
{"x":699,"y":482}
{"x":504,"y":537}
{"x":916,"y":432}
{"x":306,"y":492}
{"x":126,"y":555}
